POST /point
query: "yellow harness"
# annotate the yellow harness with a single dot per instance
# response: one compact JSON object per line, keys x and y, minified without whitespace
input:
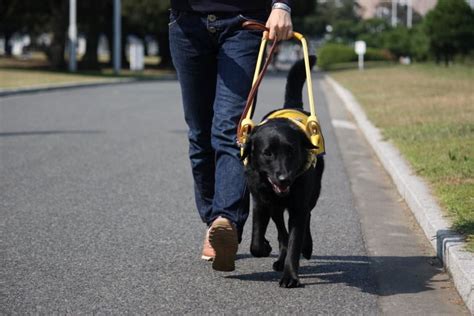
{"x":308,"y":124}
{"x":300,"y":119}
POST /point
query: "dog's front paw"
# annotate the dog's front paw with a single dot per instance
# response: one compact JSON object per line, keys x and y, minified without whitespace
{"x":307,"y":251}
{"x":289,"y":281}
{"x":278,"y":265}
{"x":260,"y":250}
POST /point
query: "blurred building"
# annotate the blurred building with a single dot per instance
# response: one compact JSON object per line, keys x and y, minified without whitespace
{"x":377,"y":8}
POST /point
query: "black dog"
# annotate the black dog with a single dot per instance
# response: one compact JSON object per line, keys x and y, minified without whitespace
{"x":279,"y":178}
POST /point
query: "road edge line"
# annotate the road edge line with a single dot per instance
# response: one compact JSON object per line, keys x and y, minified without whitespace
{"x":448,"y":244}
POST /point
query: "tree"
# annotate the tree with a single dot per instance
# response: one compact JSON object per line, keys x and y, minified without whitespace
{"x":419,"y":43}
{"x":305,"y":19}
{"x":23,"y":16}
{"x":8,"y":23}
{"x":92,"y":25}
{"x":150,"y":17}
{"x":58,"y":24}
{"x":372,"y":31}
{"x":342,"y":15}
{"x":312,"y":17}
{"x":450,"y":29}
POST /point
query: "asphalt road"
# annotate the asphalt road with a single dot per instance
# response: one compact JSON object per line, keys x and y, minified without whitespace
{"x":97,"y":216}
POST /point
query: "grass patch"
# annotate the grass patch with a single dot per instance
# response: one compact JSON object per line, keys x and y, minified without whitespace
{"x":10,"y":78}
{"x":35,"y":71}
{"x":428,"y":112}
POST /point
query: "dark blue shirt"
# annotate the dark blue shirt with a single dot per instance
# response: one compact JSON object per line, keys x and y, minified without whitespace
{"x":223,"y":5}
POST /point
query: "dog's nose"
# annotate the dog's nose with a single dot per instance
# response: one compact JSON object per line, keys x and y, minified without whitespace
{"x":283,"y":178}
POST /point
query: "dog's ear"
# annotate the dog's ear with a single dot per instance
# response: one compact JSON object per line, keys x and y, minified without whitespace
{"x":246,"y":154}
{"x":307,"y":143}
{"x":246,"y":150}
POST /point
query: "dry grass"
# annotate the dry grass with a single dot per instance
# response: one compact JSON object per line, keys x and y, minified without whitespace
{"x":428,"y":112}
{"x":35,"y":72}
{"x":10,"y":78}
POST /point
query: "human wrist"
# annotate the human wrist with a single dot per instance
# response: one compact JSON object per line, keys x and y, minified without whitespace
{"x":281,"y":5}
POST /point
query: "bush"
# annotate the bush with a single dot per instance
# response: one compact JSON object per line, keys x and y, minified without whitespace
{"x":419,"y":44}
{"x":400,"y":41}
{"x":397,"y":41}
{"x":331,"y":54}
{"x":374,"y":54}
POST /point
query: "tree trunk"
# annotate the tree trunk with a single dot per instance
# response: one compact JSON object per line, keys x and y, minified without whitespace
{"x":55,"y":52}
{"x":91,"y":58}
{"x":446,"y":60}
{"x":123,"y":54}
{"x":59,"y":26}
{"x":8,"y":47}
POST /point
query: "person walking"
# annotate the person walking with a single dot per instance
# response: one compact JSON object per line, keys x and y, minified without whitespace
{"x":215,"y":59}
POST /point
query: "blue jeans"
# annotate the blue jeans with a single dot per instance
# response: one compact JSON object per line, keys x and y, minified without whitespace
{"x":215,"y":60}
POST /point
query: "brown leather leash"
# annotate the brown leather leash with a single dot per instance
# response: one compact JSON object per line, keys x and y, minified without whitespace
{"x":252,"y":25}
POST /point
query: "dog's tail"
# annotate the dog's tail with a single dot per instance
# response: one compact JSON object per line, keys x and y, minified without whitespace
{"x":295,"y":82}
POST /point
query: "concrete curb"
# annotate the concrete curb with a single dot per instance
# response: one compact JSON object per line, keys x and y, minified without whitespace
{"x":447,"y":243}
{"x":43,"y":88}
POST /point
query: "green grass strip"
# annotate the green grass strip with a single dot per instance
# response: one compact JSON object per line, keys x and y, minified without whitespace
{"x":428,"y":112}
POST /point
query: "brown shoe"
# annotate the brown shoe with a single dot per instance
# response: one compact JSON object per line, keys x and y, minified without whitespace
{"x":208,"y":252}
{"x":223,"y":238}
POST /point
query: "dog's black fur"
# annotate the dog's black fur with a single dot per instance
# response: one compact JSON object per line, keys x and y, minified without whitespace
{"x":277,"y":153}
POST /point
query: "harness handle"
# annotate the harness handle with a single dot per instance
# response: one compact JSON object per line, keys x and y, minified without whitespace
{"x":243,"y":130}
{"x":246,"y":124}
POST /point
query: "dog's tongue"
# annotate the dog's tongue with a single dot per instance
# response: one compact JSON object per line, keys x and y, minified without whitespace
{"x":279,"y":188}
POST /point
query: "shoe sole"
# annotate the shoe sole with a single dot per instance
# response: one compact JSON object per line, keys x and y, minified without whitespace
{"x":223,"y":238}
{"x":207,"y":258}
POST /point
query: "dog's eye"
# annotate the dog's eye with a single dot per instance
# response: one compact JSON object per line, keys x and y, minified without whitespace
{"x":267,"y":153}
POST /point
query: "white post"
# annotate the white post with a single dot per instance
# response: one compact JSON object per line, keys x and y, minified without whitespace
{"x":360,"y":48}
{"x":117,"y":51}
{"x":72,"y":34}
{"x":394,"y":13}
{"x":409,"y":13}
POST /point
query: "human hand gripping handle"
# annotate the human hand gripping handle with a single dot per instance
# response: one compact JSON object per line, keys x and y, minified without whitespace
{"x":279,"y":24}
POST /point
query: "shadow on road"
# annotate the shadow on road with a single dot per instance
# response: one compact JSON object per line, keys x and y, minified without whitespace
{"x":396,"y":275}
{"x":241,"y":256}
{"x":34,"y":133}
{"x":178,"y":131}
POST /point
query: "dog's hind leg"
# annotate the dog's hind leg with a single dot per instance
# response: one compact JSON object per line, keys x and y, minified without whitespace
{"x":259,"y":246}
{"x":307,"y":249}
{"x":282,"y":239}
